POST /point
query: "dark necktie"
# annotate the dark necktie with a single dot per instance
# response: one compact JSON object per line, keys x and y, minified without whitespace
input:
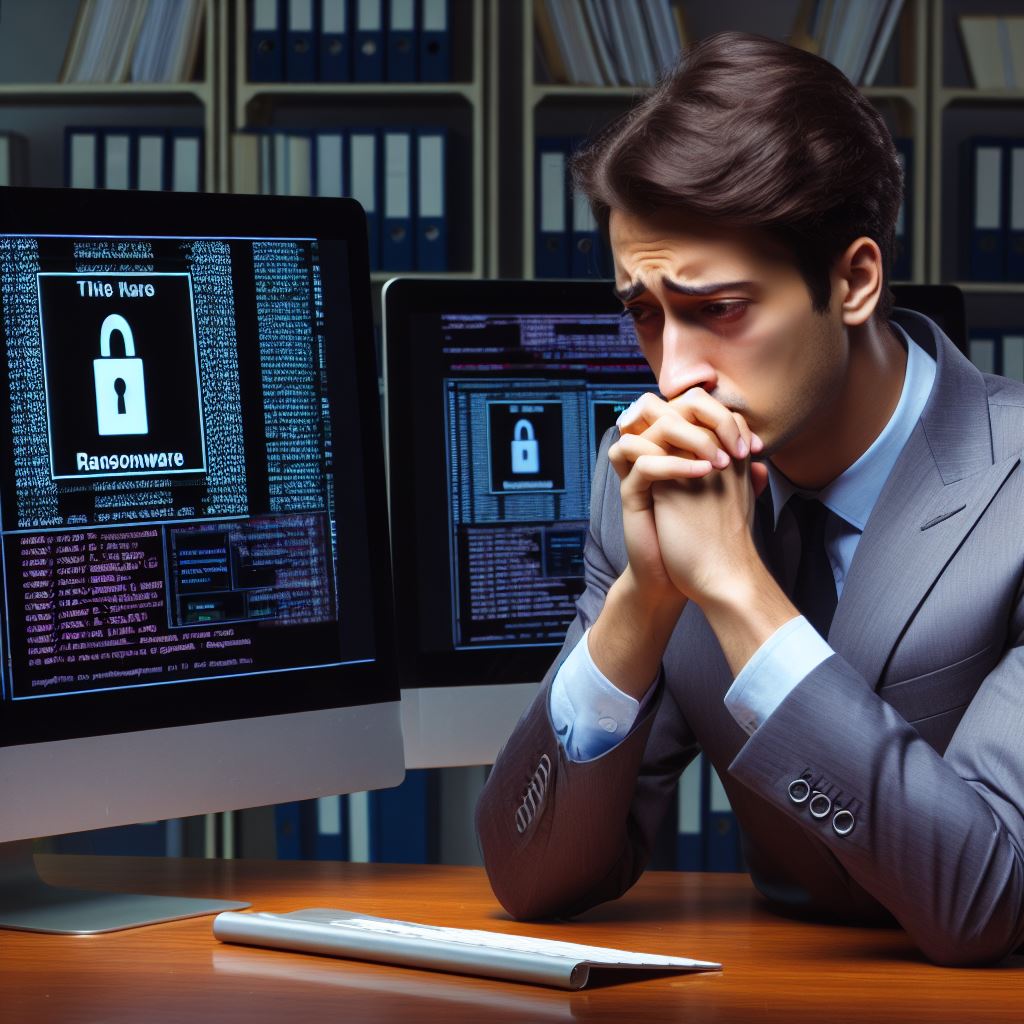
{"x":814,"y":592}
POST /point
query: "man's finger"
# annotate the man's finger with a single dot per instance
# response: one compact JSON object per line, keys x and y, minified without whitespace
{"x":624,"y":454}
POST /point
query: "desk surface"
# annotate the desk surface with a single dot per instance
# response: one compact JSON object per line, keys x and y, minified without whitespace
{"x":775,"y":969}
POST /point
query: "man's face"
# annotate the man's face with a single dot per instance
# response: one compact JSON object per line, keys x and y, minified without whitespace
{"x":755,"y":344}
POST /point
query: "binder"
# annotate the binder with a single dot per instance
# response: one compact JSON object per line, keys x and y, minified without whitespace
{"x":335,"y":49}
{"x":402,"y":42}
{"x":330,"y":840}
{"x":186,"y":161}
{"x":689,"y":849}
{"x":368,"y":62}
{"x":719,"y":826}
{"x":150,"y":161}
{"x":1012,"y":352}
{"x":117,"y":160}
{"x":301,"y":51}
{"x":589,"y":254}
{"x":245,"y":163}
{"x":288,"y":830}
{"x":363,"y":150}
{"x":280,"y":173}
{"x":435,"y":41}
{"x":266,"y":41}
{"x":551,"y":252}
{"x":13,"y":159}
{"x":329,"y":164}
{"x":82,"y":158}
{"x":1015,"y":242}
{"x":300,"y":180}
{"x":397,"y":239}
{"x":902,"y":265}
{"x":988,"y":221}
{"x":982,"y":349}
{"x":431,"y":216}
{"x":403,"y":821}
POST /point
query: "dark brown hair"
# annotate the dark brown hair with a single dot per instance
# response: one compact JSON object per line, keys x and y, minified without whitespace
{"x":749,"y":132}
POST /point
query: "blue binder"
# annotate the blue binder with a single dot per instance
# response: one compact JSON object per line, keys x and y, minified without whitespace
{"x":399,"y":174}
{"x":301,"y":49}
{"x":902,"y":266}
{"x":689,"y":845}
{"x":329,"y":164}
{"x":431,"y":201}
{"x":335,"y":48}
{"x":403,"y":45}
{"x":368,"y":60}
{"x":988,"y":218}
{"x":719,"y":827}
{"x":119,"y":171}
{"x":364,"y":184}
{"x":552,"y":256}
{"x":288,"y":830}
{"x":1015,"y":240}
{"x":435,"y":41}
{"x":83,"y":157}
{"x":266,"y":41}
{"x":185,"y":159}
{"x":402,"y":821}
{"x":151,"y":160}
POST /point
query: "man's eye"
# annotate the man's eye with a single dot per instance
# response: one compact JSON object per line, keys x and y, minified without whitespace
{"x":636,"y":313}
{"x":725,"y":310}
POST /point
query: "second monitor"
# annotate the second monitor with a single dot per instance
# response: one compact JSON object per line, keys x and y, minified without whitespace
{"x":498,"y":395}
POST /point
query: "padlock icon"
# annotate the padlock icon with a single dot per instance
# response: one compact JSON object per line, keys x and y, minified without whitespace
{"x":525,"y":450}
{"x":120,"y":385}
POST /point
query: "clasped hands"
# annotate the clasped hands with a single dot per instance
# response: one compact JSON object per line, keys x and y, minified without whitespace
{"x":688,"y":486}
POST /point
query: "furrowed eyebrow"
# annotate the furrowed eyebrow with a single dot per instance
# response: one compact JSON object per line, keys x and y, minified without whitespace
{"x":637,"y":289}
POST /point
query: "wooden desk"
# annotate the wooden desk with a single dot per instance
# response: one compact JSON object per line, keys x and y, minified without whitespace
{"x":775,"y":969}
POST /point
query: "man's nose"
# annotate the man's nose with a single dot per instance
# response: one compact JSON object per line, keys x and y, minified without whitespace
{"x":684,"y":361}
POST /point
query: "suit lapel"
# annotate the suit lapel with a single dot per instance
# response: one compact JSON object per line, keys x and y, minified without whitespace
{"x":940,"y":486}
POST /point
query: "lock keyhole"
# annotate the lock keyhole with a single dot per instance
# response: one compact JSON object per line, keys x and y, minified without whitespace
{"x":120,"y":387}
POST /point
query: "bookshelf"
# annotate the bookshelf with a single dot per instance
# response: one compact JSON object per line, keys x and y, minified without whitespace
{"x":459,"y":106}
{"x":959,"y":111}
{"x":558,"y":109}
{"x":41,"y":109}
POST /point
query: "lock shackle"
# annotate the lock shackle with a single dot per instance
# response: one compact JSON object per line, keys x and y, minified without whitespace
{"x":527,"y":428}
{"x":116,"y":322}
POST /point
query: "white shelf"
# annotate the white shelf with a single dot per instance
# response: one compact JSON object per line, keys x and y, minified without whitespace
{"x":115,"y":92}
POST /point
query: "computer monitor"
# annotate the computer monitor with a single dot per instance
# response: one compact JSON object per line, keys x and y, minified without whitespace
{"x":498,"y":394}
{"x":195,"y":611}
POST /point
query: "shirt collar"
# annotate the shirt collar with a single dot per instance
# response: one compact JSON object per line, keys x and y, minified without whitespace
{"x":852,"y":495}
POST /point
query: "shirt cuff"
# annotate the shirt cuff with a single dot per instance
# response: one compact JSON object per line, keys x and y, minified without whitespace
{"x":591,"y":715}
{"x":783,"y":661}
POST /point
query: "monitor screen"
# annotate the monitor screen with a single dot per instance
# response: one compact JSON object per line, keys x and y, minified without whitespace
{"x":193,"y":545}
{"x":499,"y":393}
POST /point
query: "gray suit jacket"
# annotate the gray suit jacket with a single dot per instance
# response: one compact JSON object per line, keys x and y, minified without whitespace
{"x":915,"y":725}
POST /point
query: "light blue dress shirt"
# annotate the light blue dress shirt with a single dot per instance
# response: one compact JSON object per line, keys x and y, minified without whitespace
{"x":591,"y":715}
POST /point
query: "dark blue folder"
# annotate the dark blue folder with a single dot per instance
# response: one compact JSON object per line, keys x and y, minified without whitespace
{"x":266,"y":41}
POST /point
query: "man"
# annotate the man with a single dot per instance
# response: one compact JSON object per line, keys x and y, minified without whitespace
{"x":808,"y":560}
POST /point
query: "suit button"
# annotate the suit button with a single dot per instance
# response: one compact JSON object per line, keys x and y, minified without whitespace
{"x":843,"y":823}
{"x":820,"y":805}
{"x":799,"y":790}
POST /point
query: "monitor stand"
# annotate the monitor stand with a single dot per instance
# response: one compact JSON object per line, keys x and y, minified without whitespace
{"x":27,"y":903}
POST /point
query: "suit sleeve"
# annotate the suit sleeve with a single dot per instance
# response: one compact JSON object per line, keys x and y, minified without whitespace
{"x":559,"y":836}
{"x":936,"y":839}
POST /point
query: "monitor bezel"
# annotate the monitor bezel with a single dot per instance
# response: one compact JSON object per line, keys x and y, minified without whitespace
{"x":97,"y":213}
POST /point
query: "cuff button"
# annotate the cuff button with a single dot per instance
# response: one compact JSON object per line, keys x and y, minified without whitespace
{"x":799,"y":790}
{"x":843,"y":823}
{"x":820,"y":805}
